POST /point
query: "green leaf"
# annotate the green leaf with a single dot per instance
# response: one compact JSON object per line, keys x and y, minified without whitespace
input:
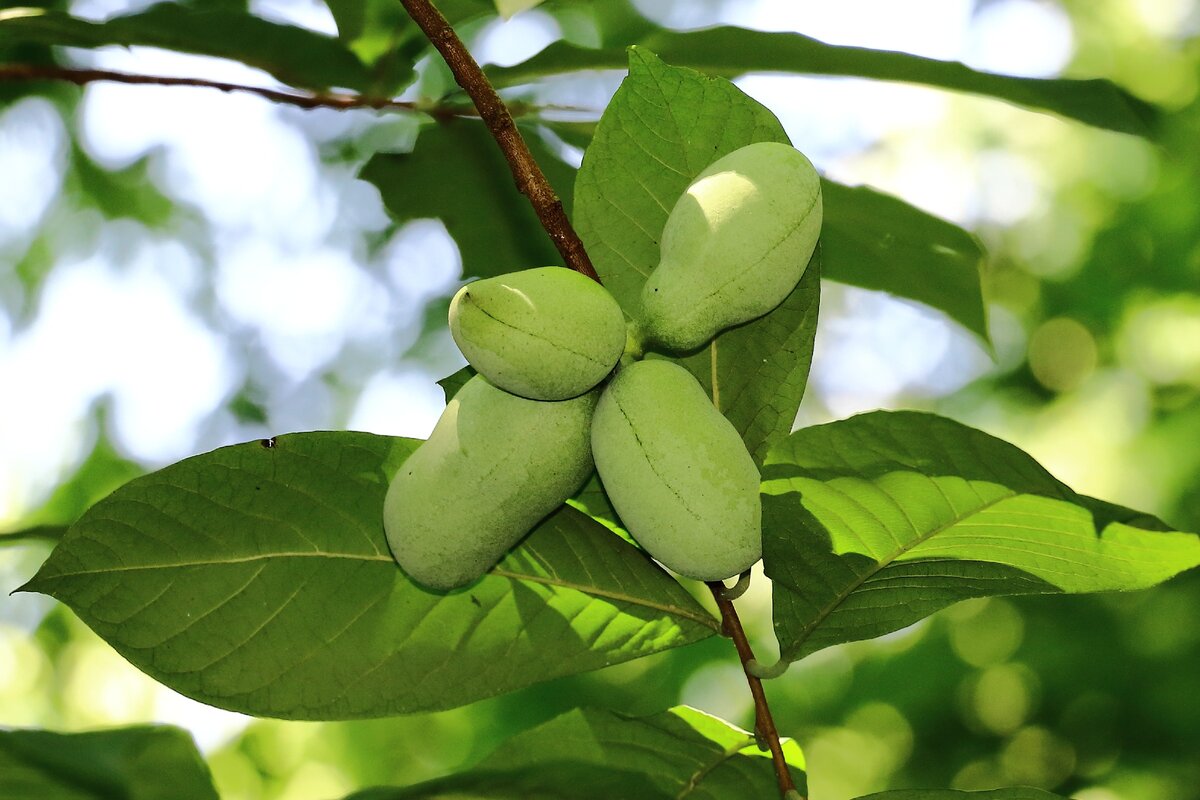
{"x":677,"y":753}
{"x":257,"y":578}
{"x":874,"y":522}
{"x":676,"y":750}
{"x":877,"y":241}
{"x":550,"y":781}
{"x":458,"y":175}
{"x":455,"y":381}
{"x":294,"y":55}
{"x":663,"y":127}
{"x":139,"y":763}
{"x":665,"y":124}
{"x":48,"y":533}
{"x":1019,"y":793}
{"x":756,"y":373}
{"x":730,"y":51}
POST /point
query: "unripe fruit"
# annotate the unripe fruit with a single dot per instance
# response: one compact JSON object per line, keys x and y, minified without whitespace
{"x":677,"y":472}
{"x":494,"y":466}
{"x":547,"y":334}
{"x":735,"y":245}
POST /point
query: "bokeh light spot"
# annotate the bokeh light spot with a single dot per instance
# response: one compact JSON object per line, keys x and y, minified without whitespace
{"x":1062,"y":354}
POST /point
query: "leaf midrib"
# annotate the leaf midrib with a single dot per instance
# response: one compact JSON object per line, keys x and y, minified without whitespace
{"x":887,"y":560}
{"x":591,"y":591}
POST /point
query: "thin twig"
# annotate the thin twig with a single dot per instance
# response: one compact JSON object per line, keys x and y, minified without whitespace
{"x":764,"y":725}
{"x":526,"y":172}
{"x":341,"y":102}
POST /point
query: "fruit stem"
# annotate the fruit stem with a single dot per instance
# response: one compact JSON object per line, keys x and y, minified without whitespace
{"x":764,"y":724}
{"x":525,"y":170}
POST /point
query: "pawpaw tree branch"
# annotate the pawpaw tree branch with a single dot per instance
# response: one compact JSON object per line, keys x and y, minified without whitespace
{"x":528,"y":175}
{"x":82,"y":77}
{"x":764,"y":723}
{"x":533,"y":184}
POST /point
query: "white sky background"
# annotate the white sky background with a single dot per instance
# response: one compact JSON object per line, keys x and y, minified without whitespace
{"x":293,"y":282}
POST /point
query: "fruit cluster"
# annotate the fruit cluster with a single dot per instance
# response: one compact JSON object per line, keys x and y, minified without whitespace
{"x":522,"y":436}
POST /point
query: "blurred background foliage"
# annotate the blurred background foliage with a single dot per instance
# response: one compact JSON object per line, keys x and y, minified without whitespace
{"x":182,"y":269}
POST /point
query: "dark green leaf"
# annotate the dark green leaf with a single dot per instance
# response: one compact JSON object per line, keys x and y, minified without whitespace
{"x":756,"y":373}
{"x":871,"y":523}
{"x":48,"y":533}
{"x":293,"y":55}
{"x":730,"y":52}
{"x":453,"y":382}
{"x":661,"y":129}
{"x":877,"y":241}
{"x":458,"y":175}
{"x":257,"y":578}
{"x":1019,"y":793}
{"x":550,"y":781}
{"x":138,"y":763}
{"x":678,"y":753}
{"x":666,"y":124}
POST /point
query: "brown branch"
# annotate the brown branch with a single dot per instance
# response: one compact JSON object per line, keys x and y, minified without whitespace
{"x":82,"y":77}
{"x":526,"y":172}
{"x":764,"y":724}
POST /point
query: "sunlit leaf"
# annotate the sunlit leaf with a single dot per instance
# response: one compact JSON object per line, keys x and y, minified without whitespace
{"x":877,"y":241}
{"x":678,"y":753}
{"x":139,"y":763}
{"x":257,"y":578}
{"x":457,"y":174}
{"x":874,"y":522}
{"x":550,"y":781}
{"x":296,"y":56}
{"x":661,"y":129}
{"x":1019,"y":793}
{"x":666,"y":124}
{"x":730,"y":51}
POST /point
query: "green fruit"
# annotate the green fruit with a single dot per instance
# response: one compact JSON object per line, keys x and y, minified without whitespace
{"x":494,"y":466}
{"x":547,"y":334}
{"x":735,"y":245}
{"x":677,"y":472}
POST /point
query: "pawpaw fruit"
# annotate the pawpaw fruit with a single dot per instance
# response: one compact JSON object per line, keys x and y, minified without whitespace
{"x":734,"y":246}
{"x":677,"y":472}
{"x":494,"y":466}
{"x":547,"y":334}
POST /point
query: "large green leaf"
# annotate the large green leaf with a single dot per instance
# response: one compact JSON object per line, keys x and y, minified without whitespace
{"x":678,"y":753}
{"x":666,"y":124}
{"x":730,"y":51}
{"x":878,"y":241}
{"x":139,"y":763}
{"x":1018,"y":793}
{"x":293,"y":55}
{"x":871,"y":523}
{"x":552,"y":781}
{"x":458,"y":175}
{"x":661,"y":129}
{"x":257,"y":578}
{"x":756,"y":373}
